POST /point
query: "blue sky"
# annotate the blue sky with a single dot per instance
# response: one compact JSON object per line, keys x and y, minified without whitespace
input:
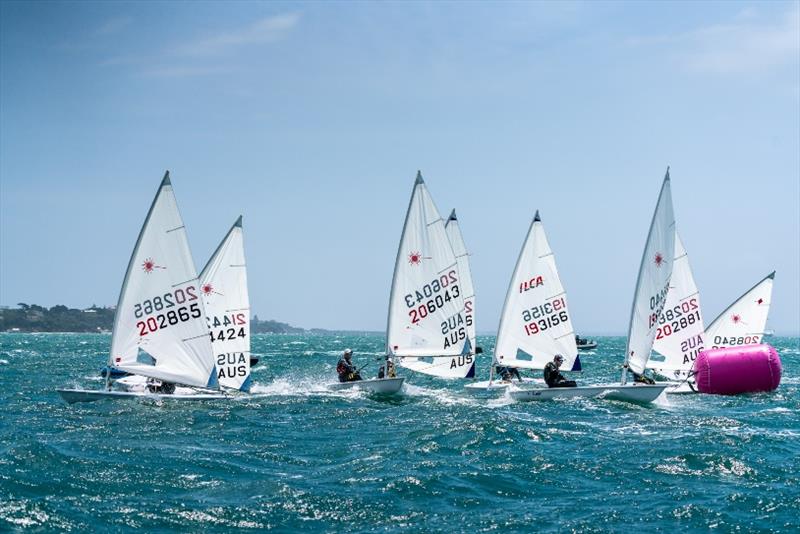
{"x":311,"y":120}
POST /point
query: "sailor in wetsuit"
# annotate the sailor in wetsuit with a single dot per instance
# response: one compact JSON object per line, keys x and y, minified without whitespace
{"x":390,"y":366}
{"x":553,"y":376}
{"x":345,"y":369}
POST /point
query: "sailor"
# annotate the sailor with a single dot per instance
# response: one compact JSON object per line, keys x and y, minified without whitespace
{"x":345,"y":369}
{"x":642,"y":379}
{"x":160,"y":386}
{"x":392,"y":370}
{"x":508,"y":373}
{"x":553,"y":376}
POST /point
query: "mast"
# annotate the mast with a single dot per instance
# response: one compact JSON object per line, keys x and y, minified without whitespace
{"x":389,"y":353}
{"x":165,"y":182}
{"x":664,"y":186}
{"x":511,"y":280}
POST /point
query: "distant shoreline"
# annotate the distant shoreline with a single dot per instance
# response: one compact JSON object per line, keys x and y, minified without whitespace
{"x":35,"y":319}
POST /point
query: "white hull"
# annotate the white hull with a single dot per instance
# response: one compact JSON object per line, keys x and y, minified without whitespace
{"x":498,"y":387}
{"x":628,"y":392}
{"x":90,"y":395}
{"x":588,"y":346}
{"x":678,"y":388}
{"x":382,"y":386}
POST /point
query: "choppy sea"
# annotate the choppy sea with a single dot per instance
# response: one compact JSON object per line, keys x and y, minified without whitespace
{"x":295,"y":457}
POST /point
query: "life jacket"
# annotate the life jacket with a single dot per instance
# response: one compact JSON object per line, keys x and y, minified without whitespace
{"x":341,"y":367}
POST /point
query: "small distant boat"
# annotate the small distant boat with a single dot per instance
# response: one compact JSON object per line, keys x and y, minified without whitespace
{"x":160,"y":330}
{"x":585,"y":344}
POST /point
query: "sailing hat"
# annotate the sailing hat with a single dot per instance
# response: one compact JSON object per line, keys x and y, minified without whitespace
{"x":558,"y":357}
{"x":348,"y":351}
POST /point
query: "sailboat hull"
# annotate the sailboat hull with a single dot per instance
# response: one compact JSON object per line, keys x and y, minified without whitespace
{"x":678,"y":388}
{"x":72,"y":396}
{"x":628,"y":393}
{"x":381,"y":386}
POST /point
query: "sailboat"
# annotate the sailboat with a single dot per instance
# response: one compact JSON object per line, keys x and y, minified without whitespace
{"x":649,"y":299}
{"x":535,"y":324}
{"x":745,"y":321}
{"x":223,"y":283}
{"x":160,"y":329}
{"x":463,"y":365}
{"x":680,"y":332}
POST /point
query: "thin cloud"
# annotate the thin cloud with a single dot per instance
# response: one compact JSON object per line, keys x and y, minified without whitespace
{"x":266,"y":30}
{"x":182,"y":71}
{"x":112,"y":26}
{"x":743,"y":46}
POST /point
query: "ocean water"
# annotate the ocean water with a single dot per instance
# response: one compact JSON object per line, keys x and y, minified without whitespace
{"x":295,"y":457}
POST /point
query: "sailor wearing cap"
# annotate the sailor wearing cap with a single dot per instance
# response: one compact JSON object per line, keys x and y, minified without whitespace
{"x":553,"y":376}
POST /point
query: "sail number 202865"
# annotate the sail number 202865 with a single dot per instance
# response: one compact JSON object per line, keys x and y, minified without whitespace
{"x":168,"y":300}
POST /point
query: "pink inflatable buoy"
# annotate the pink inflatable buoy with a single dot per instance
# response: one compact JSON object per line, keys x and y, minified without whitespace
{"x":734,"y":370}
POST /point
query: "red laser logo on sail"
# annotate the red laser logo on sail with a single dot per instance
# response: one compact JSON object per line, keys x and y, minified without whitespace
{"x":150,"y":264}
{"x":659,"y":259}
{"x":736,"y":318}
{"x":207,"y":289}
{"x":415,"y":258}
{"x":760,"y":301}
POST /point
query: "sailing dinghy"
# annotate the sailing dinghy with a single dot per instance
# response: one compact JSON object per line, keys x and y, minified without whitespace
{"x":680,"y":332}
{"x":649,"y":298}
{"x":463,"y":365}
{"x":160,"y":329}
{"x":535,"y":324}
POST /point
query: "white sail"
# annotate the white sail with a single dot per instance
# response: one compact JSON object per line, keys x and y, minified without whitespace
{"x":745,"y":321}
{"x":462,"y":258}
{"x":463,"y":365}
{"x":160,"y":325}
{"x":652,"y":284}
{"x":426,"y":305}
{"x":223,"y":283}
{"x":679,"y":335}
{"x":535,"y":324}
